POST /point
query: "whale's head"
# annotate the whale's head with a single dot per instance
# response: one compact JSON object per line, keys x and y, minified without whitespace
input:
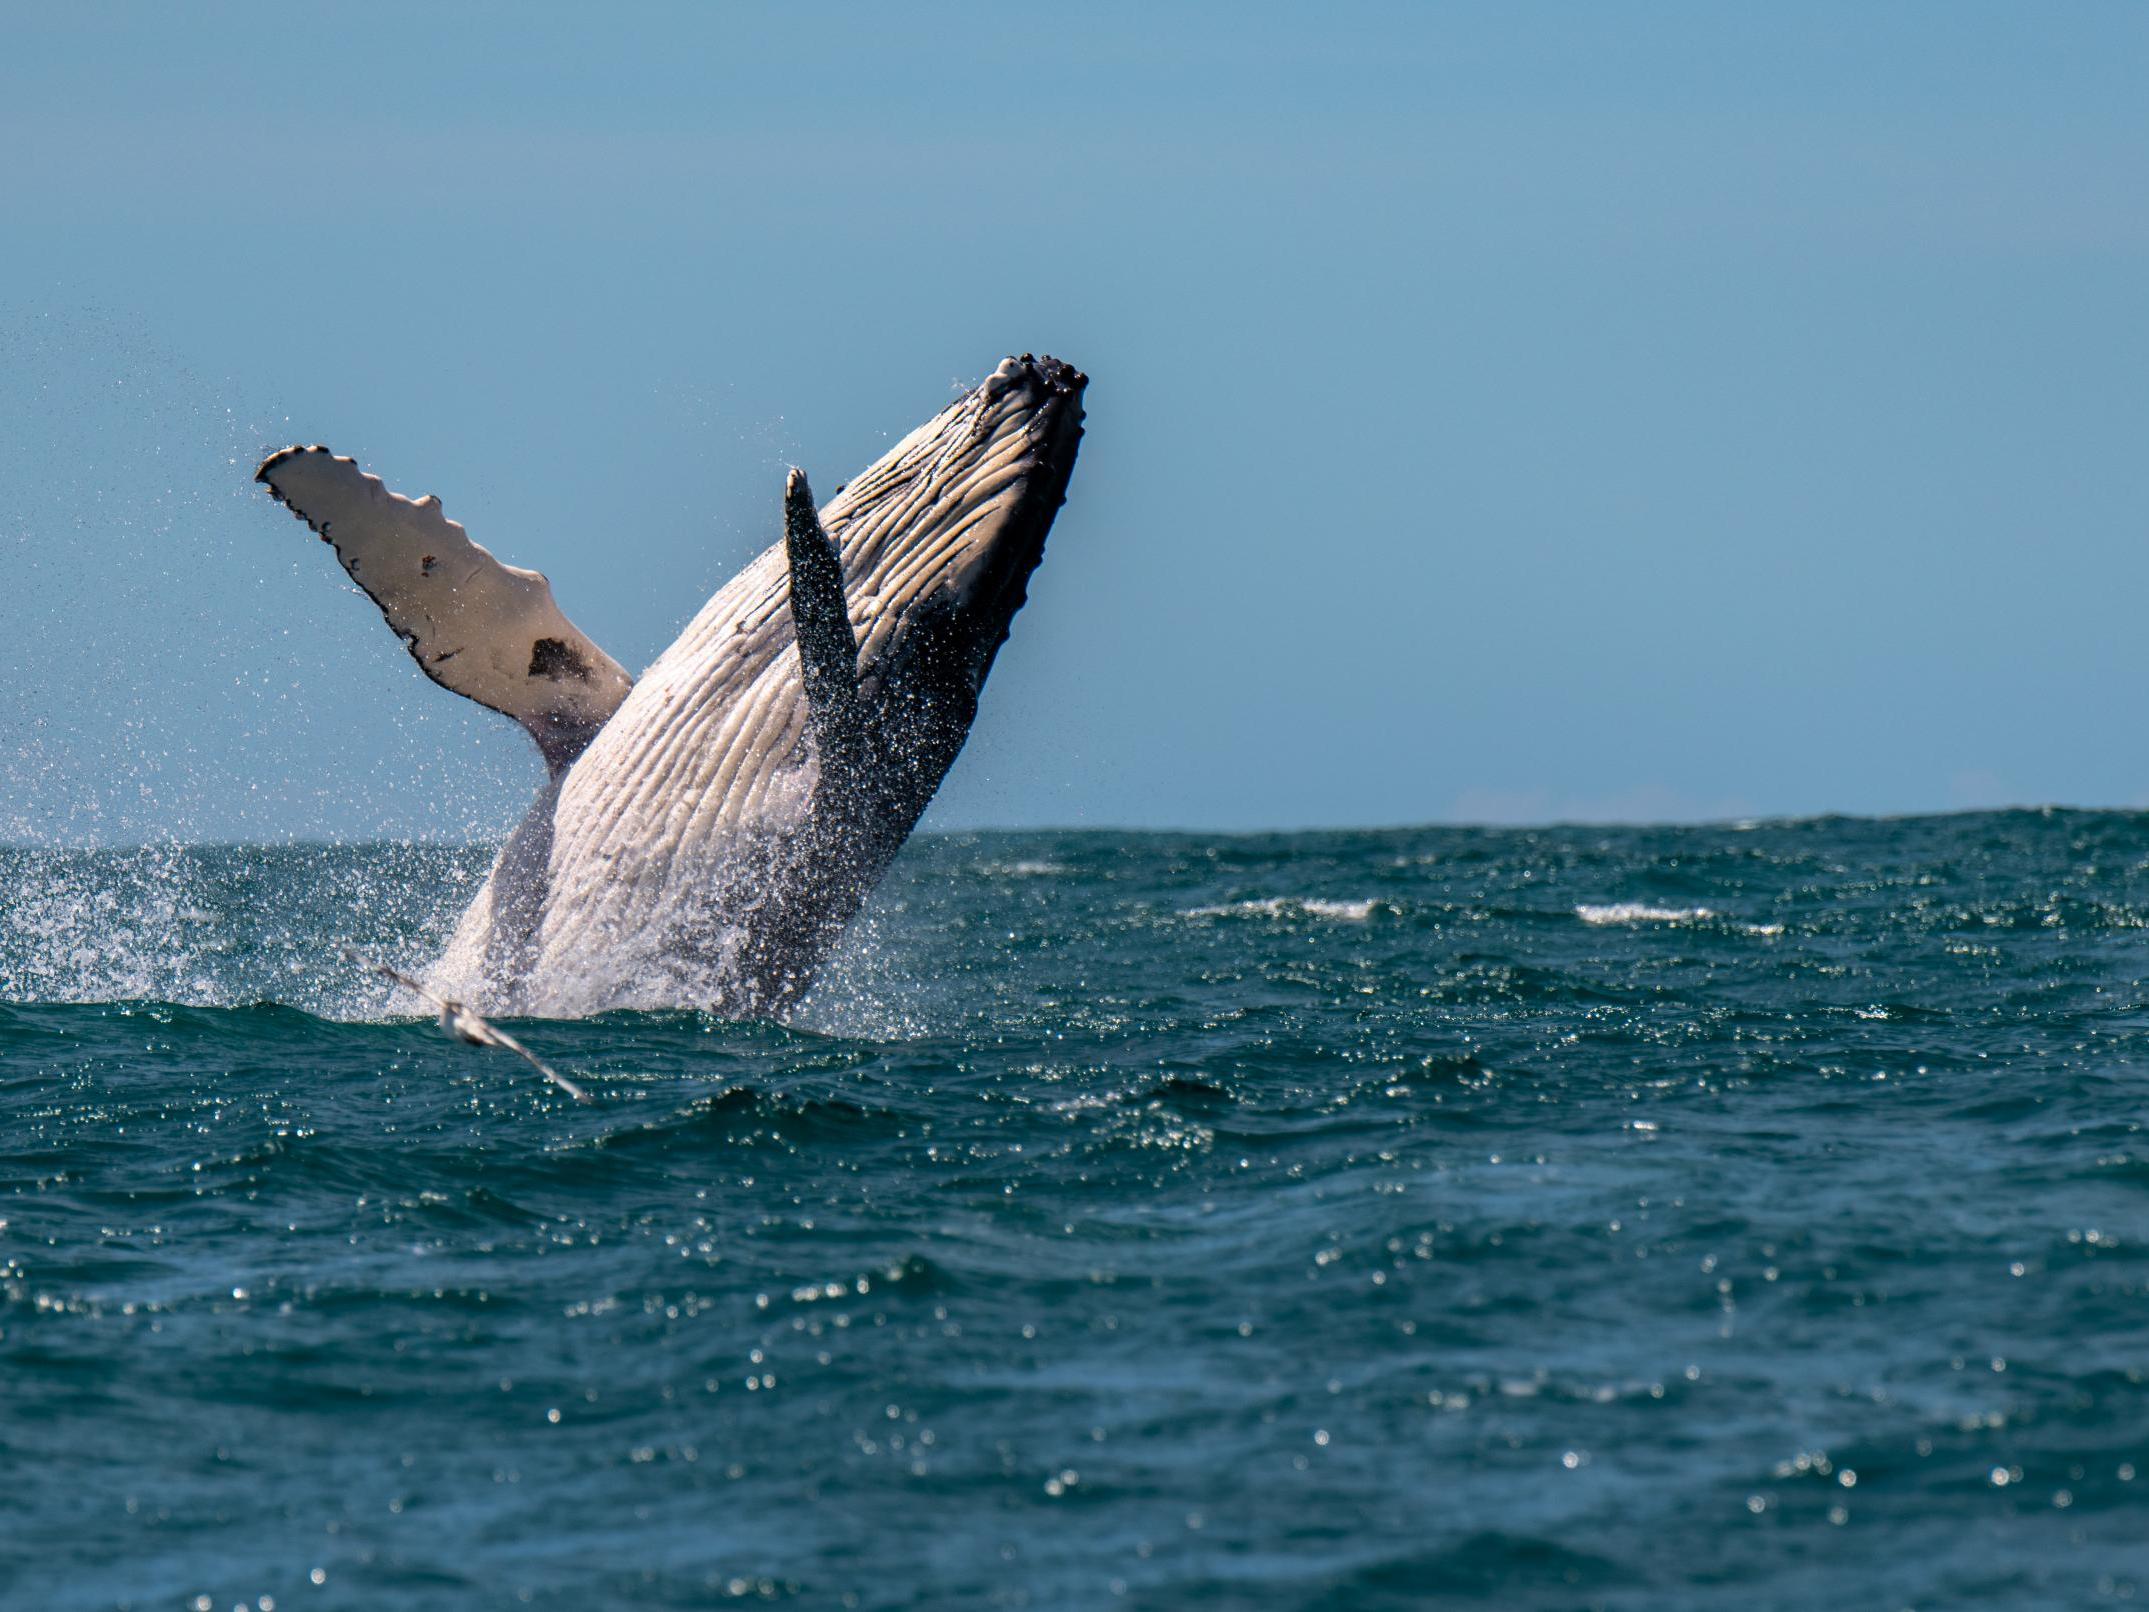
{"x":939,"y":539}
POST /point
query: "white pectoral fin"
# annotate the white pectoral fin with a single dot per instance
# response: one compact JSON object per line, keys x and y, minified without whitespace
{"x":486,"y":630}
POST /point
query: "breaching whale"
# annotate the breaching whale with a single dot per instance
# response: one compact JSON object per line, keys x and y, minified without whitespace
{"x":706,"y":833}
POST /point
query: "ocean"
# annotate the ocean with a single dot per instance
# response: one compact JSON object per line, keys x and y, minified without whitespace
{"x":1641,"y":1218}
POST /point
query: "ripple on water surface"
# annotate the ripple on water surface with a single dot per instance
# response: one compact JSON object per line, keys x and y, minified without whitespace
{"x":1635,"y":1218}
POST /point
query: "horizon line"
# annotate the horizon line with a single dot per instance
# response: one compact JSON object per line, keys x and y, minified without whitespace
{"x":1738,"y":824}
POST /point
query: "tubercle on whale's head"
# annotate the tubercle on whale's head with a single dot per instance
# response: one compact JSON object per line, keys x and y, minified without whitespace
{"x":986,"y":479}
{"x":990,"y":581}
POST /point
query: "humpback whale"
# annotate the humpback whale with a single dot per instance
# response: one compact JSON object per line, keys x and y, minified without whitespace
{"x":705,"y":833}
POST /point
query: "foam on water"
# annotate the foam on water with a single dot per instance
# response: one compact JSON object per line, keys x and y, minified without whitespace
{"x":1356,"y":912}
{"x":1640,"y":912}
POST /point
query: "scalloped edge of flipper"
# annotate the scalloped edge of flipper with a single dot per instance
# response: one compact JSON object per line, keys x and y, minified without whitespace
{"x":475,"y":625}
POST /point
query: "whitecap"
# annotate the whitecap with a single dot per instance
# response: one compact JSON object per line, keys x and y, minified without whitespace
{"x":1355,"y":912}
{"x":1636,"y":912}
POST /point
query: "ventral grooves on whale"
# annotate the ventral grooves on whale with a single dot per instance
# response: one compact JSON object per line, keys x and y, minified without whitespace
{"x":706,"y":832}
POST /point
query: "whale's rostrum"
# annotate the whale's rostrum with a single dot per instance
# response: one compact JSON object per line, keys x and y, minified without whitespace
{"x":705,"y":835}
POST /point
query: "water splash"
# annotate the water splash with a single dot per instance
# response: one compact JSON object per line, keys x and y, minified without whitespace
{"x":224,"y":926}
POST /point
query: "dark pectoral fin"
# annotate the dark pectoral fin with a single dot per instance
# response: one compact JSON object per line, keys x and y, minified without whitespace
{"x":827,"y":648}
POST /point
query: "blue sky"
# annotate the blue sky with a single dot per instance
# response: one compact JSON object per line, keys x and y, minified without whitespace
{"x":1501,"y":413}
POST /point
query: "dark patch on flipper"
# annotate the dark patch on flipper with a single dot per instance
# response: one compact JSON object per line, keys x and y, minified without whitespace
{"x":551,"y":658}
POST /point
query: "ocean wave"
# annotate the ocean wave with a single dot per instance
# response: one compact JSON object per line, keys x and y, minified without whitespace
{"x":741,"y":1110}
{"x":1636,"y":912}
{"x":1355,"y":912}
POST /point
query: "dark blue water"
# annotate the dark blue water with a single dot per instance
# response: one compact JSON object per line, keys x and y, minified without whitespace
{"x":1654,"y":1218}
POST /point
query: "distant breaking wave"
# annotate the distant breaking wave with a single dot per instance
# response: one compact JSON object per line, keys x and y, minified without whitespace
{"x":1636,"y":912}
{"x":1355,"y":912}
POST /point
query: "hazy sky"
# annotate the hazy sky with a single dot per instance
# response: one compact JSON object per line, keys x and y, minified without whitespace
{"x":1498,"y":413}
